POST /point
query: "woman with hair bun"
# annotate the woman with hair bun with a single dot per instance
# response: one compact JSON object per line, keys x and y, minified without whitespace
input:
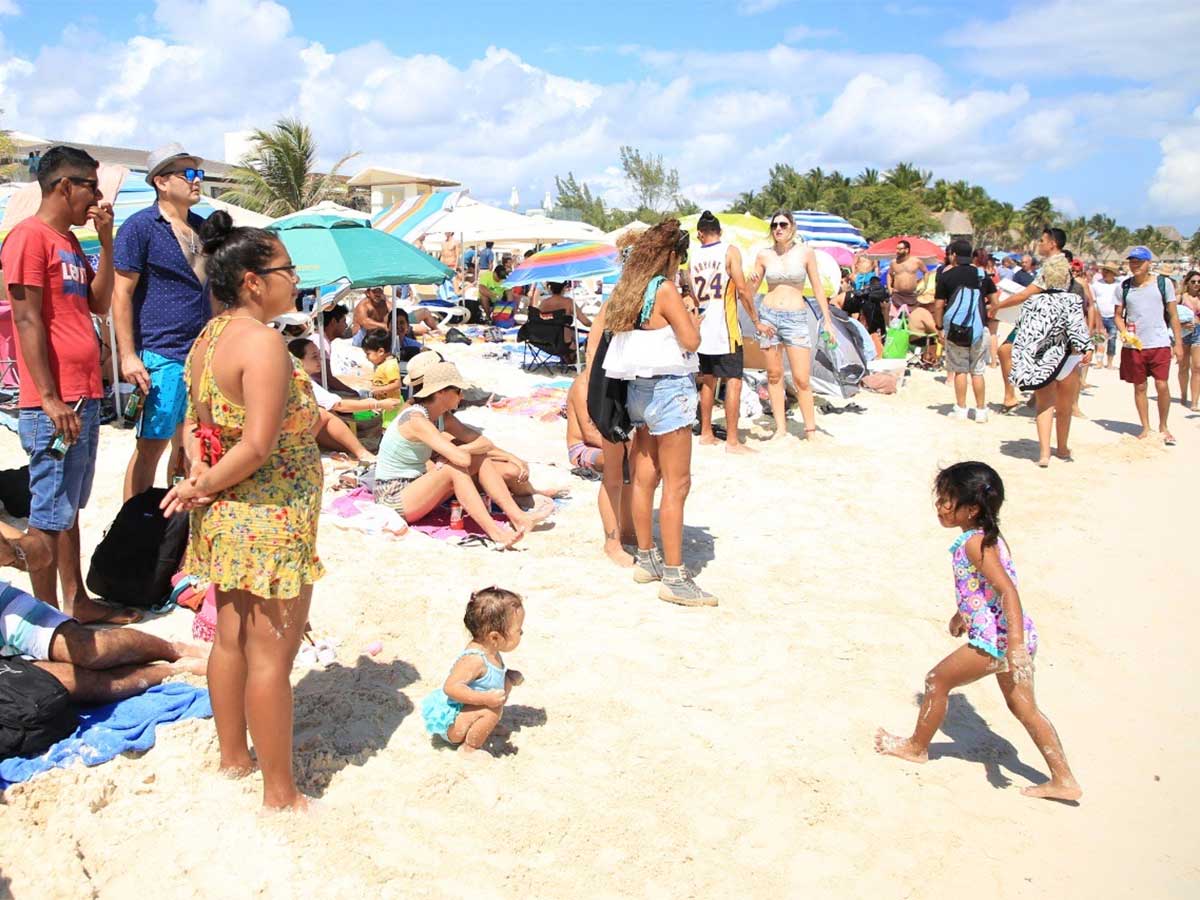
{"x":254,"y":492}
{"x":654,"y":340}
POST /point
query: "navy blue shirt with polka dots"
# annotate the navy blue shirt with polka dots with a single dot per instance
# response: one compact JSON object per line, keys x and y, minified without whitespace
{"x":170,"y":305}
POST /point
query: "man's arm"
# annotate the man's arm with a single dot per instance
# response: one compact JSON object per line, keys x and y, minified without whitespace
{"x":733,"y":268}
{"x":31,"y":332}
{"x":132,"y":368}
{"x":100,"y":292}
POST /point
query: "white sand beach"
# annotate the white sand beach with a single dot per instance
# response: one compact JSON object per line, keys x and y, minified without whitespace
{"x":658,"y":751}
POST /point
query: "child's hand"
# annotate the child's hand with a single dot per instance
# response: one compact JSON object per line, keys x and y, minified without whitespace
{"x":957,"y":626}
{"x":515,"y":677}
{"x":494,"y":699}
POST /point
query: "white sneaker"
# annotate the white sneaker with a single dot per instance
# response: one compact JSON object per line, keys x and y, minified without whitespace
{"x":960,"y":412}
{"x":981,"y":414}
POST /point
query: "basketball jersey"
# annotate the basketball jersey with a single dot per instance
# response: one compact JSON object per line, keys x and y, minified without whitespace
{"x":717,"y":299}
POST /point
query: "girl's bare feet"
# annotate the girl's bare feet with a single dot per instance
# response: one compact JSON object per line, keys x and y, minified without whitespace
{"x":738,"y":448}
{"x":614,"y":551}
{"x":1054,"y":790}
{"x":890,"y":745}
{"x":505,"y":536}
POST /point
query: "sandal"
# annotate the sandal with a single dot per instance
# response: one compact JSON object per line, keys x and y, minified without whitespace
{"x":476,"y":540}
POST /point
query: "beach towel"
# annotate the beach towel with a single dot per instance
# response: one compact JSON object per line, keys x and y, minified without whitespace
{"x":546,"y":404}
{"x":111,"y":729}
{"x":358,"y":511}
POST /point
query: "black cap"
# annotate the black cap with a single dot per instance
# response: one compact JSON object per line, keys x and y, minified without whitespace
{"x":707,"y":222}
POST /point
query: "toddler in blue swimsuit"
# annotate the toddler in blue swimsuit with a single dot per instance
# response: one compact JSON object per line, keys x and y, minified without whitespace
{"x":468,"y":707}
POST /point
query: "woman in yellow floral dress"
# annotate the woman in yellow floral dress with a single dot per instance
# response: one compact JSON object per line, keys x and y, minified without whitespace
{"x":254,"y":492}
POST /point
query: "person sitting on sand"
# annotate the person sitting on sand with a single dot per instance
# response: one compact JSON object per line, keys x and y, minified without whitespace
{"x":385,"y":380}
{"x":407,"y":479}
{"x":585,"y":446}
{"x":469,"y":706}
{"x":94,"y":665}
{"x":1001,"y":639}
{"x":331,"y":432}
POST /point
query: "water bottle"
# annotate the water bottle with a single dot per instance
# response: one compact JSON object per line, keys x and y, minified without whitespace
{"x":60,"y":445}
{"x":456,"y":516}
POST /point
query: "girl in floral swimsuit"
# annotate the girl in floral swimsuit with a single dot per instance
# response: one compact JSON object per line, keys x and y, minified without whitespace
{"x":1001,"y":639}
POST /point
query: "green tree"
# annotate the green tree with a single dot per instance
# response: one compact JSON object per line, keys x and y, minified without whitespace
{"x":1036,"y":215}
{"x":10,"y":166}
{"x":1193,"y":246}
{"x":654,"y":185}
{"x":867,"y":178}
{"x":278,"y":176}
{"x":908,"y":177}
{"x":886,"y":210}
{"x":577,"y":197}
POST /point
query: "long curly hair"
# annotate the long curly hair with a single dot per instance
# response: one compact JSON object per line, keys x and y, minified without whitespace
{"x":656,"y":252}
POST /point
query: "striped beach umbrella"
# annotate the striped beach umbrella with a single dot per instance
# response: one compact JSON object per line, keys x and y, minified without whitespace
{"x":813,"y":225}
{"x":411,"y":218}
{"x":566,"y":262}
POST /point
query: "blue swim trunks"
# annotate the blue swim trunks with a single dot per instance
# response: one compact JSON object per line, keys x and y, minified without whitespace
{"x":165,"y":408}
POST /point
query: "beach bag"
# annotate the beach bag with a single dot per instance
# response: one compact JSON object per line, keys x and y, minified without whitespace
{"x":15,"y":496}
{"x":962,"y":315}
{"x":606,"y":399}
{"x":35,"y":709}
{"x":895,"y":344}
{"x":140,"y":551}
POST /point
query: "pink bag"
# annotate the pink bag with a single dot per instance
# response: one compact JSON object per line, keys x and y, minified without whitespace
{"x":204,"y":626}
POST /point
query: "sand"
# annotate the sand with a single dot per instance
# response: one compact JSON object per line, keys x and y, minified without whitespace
{"x":666,"y":752}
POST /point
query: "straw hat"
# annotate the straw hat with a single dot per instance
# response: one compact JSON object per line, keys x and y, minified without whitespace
{"x":1113,"y":267}
{"x":419,"y":365}
{"x":438,"y":376}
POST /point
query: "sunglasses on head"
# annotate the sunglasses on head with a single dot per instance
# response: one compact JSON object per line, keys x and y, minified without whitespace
{"x":190,"y":174}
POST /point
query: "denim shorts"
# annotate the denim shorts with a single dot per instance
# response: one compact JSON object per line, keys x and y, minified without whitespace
{"x":791,"y":328}
{"x":166,"y":405}
{"x":663,"y":404}
{"x":1192,"y":338}
{"x":1110,"y":329}
{"x":59,"y":487}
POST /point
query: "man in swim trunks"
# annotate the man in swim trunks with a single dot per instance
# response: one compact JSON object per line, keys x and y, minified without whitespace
{"x":904,"y":278}
{"x":585,"y":447}
{"x":95,"y":666}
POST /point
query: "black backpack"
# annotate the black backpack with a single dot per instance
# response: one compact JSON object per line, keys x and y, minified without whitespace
{"x":35,"y":709}
{"x":606,"y":402}
{"x":14,"y":491}
{"x":137,"y":556}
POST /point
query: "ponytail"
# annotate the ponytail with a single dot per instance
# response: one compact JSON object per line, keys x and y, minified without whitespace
{"x":974,"y":484}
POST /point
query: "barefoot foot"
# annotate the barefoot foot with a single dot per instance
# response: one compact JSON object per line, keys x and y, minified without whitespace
{"x":505,"y":537}
{"x":196,"y":651}
{"x":88,"y":612}
{"x":890,"y":745}
{"x":616,"y":553}
{"x":192,"y":665}
{"x":738,"y":448}
{"x":709,"y":440}
{"x":1054,"y":790}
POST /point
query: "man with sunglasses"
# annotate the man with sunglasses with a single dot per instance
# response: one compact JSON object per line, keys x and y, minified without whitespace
{"x":54,"y":293}
{"x":159,"y":307}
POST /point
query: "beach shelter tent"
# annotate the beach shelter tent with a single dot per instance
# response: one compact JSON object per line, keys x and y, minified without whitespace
{"x":837,"y":371}
{"x":921,"y":248}
{"x":813,"y":225}
{"x":637,"y":226}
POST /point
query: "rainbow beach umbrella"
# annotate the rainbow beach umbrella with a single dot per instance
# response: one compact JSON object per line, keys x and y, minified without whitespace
{"x":566,"y":262}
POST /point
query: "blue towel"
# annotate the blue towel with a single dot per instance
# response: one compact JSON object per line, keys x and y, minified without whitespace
{"x":109,"y":730}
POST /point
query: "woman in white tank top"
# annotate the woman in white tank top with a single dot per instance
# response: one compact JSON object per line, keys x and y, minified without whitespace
{"x":787,"y":265}
{"x":655,"y":336}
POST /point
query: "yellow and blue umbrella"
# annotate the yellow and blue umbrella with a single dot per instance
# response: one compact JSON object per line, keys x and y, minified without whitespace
{"x":566,"y":262}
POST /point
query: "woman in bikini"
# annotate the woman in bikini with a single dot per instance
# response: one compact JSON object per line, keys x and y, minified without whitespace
{"x":786,"y":265}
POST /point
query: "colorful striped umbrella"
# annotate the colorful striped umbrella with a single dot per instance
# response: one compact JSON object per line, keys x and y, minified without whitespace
{"x":411,"y":218}
{"x":566,"y":262}
{"x":813,"y":225}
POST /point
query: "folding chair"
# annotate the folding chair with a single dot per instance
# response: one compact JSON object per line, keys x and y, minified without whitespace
{"x":546,"y":347}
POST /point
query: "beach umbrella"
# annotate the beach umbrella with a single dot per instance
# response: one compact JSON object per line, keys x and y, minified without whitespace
{"x":838,"y":251}
{"x":746,"y":232}
{"x":411,"y":218}
{"x":921,"y":248}
{"x":814,"y":225}
{"x":831,"y":274}
{"x":331,"y":248}
{"x":566,"y":262}
{"x":636,"y":227}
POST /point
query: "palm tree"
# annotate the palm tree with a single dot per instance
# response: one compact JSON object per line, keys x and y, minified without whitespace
{"x":1037,"y":214}
{"x":867,"y":178}
{"x":908,"y":177}
{"x":277,"y":177}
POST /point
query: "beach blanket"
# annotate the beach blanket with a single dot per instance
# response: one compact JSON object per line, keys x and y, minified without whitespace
{"x":111,"y":729}
{"x":358,"y":511}
{"x":547,"y":403}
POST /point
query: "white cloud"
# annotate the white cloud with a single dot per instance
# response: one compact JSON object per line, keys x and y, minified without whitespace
{"x":9,"y":8}
{"x":1095,"y":37}
{"x":798,"y":33}
{"x":757,"y":7}
{"x":1176,"y":184}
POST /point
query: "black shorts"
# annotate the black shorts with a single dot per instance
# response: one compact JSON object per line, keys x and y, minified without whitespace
{"x":722,"y":365}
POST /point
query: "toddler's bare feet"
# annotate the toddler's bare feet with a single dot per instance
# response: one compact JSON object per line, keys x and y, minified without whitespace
{"x":475,"y":754}
{"x":890,"y":745}
{"x":1054,"y":790}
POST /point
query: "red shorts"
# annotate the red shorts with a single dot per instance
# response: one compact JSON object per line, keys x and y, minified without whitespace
{"x":1138,"y":365}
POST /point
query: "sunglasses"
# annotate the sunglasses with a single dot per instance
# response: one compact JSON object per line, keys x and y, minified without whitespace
{"x":91,"y":183}
{"x":780,"y":223}
{"x":190,"y":174}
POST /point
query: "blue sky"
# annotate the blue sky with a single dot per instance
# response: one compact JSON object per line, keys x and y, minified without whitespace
{"x":1064,"y":98}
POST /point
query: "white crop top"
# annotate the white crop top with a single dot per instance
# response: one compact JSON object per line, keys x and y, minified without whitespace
{"x":647,"y":354}
{"x":788,"y":269}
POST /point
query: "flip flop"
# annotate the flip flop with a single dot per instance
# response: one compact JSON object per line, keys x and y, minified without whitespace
{"x":1169,"y":440}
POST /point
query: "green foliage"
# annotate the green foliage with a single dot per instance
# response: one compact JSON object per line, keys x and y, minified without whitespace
{"x":654,"y":185}
{"x":578,"y":197}
{"x":8,"y":151}
{"x":277,"y":177}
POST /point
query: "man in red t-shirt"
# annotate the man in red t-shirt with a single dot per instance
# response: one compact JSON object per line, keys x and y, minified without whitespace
{"x":54,"y":293}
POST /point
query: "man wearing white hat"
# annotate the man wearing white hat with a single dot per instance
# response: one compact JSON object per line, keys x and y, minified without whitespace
{"x":160,"y":306}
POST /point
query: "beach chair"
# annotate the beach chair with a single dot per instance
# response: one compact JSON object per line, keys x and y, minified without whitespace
{"x":546,"y":346}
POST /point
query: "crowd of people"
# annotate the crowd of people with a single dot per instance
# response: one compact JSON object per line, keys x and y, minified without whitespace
{"x":242,"y":413}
